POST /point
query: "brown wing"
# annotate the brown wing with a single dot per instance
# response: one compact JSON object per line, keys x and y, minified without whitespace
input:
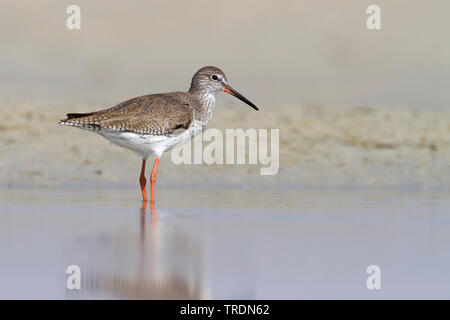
{"x":157,"y":114}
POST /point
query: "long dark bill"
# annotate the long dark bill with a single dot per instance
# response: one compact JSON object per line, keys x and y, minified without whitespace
{"x":233,"y":92}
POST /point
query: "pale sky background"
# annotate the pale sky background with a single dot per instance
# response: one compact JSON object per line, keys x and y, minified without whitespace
{"x":284,"y":52}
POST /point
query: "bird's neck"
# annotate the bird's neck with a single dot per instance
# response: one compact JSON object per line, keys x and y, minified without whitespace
{"x":207,"y":104}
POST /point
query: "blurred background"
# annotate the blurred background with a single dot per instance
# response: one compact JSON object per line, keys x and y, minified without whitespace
{"x":373,"y":104}
{"x":293,"y":52}
{"x":363,"y":179}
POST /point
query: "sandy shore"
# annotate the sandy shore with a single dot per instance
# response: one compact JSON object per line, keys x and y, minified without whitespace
{"x":320,"y":146}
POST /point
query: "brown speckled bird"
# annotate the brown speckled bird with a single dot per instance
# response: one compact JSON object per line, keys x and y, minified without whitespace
{"x":152,"y":124}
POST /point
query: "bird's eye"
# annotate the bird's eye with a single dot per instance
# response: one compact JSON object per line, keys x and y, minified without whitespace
{"x":214,"y":77}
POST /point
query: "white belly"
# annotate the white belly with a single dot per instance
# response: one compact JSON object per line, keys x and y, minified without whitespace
{"x":150,"y":145}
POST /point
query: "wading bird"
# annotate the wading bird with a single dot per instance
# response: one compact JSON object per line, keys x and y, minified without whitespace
{"x":152,"y":124}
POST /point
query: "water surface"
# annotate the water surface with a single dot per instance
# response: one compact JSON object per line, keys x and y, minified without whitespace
{"x":225,"y":243}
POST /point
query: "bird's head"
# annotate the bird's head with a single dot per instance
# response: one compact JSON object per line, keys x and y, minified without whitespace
{"x":212,"y":80}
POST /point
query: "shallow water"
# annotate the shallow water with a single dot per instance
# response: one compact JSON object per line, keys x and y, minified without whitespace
{"x":225,"y":243}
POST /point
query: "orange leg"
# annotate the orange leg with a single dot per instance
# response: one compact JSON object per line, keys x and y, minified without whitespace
{"x":152,"y":182}
{"x":143,"y":182}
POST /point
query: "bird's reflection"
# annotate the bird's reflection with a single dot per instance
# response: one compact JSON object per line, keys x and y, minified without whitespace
{"x":161,"y":264}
